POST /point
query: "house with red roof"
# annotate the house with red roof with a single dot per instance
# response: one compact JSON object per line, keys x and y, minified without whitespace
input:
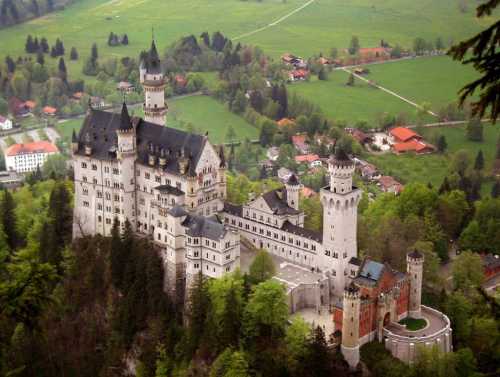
{"x":300,"y":143}
{"x":298,"y":75}
{"x":403,"y":134}
{"x":30,"y":105}
{"x":307,"y":192}
{"x":49,"y":111}
{"x":284,"y":122}
{"x":27,"y":157}
{"x":389,"y":184}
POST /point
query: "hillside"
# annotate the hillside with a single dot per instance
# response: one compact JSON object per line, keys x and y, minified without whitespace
{"x":18,"y":11}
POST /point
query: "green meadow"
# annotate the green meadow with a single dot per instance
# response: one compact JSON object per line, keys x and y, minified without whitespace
{"x":204,"y":114}
{"x":433,"y":167}
{"x":360,"y":102}
{"x":435,"y":80}
{"x":318,"y":27}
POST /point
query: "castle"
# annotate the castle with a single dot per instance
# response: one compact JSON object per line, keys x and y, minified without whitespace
{"x":171,"y":186}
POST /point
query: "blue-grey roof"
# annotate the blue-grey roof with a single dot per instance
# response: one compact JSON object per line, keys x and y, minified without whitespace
{"x":371,"y":270}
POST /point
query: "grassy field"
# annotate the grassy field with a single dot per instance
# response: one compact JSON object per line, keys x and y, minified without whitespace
{"x":433,"y":167}
{"x":208,"y":115}
{"x":352,"y":103}
{"x":318,"y":27}
{"x":436,"y":80}
{"x":194,"y":113}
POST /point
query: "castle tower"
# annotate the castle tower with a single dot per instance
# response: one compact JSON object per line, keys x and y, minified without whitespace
{"x":153,"y":83}
{"x":222,"y":176}
{"x":293,"y":187}
{"x":74,"y":142}
{"x":350,"y":325}
{"x":340,"y":215}
{"x":415,"y":268}
{"x":126,"y":155}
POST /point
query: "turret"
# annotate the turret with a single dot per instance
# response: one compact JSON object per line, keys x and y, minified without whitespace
{"x":293,"y":187}
{"x":153,"y":82}
{"x":341,"y":169}
{"x":350,"y":325}
{"x":126,"y":134}
{"x":415,"y":268}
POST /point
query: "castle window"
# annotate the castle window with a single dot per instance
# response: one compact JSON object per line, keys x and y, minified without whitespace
{"x":84,"y":178}
{"x":94,"y":167}
{"x":146,"y":175}
{"x":94,"y":181}
{"x":108,"y":221}
{"x":86,"y":204}
{"x":158,"y":179}
{"x":99,"y":219}
{"x":335,"y":255}
{"x":85,"y":191}
{"x":115,"y":171}
{"x":84,"y":165}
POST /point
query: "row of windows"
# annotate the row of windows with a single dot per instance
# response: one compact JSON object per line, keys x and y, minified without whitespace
{"x":116,"y":171}
{"x":274,"y":235}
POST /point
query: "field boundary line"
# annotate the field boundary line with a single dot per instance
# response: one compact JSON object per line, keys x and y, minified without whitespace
{"x":274,"y":23}
{"x":390,"y":92}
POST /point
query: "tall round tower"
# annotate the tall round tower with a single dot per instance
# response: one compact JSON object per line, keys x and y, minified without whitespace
{"x":293,"y":187}
{"x":350,"y":325}
{"x":153,"y":83}
{"x":415,"y":268}
{"x":340,"y":213}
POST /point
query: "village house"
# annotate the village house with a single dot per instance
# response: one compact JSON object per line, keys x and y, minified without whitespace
{"x":298,"y":75}
{"x":369,"y":172}
{"x":78,"y":96}
{"x":273,"y":153}
{"x":312,"y":160}
{"x":125,"y":87}
{"x":18,"y":107}
{"x":389,"y":184}
{"x":97,"y":102}
{"x":372,"y":54}
{"x":5,"y":123}
{"x":11,"y":180}
{"x":295,"y":61}
{"x":300,"y":143}
{"x":23,"y":158}
{"x":284,"y":122}
{"x":407,"y":140}
{"x":30,"y":105}
{"x":49,"y":111}
{"x":284,"y":174}
{"x":180,"y":81}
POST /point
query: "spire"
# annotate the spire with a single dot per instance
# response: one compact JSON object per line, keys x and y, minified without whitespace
{"x":125,"y":122}
{"x":74,"y":139}
{"x":293,"y":180}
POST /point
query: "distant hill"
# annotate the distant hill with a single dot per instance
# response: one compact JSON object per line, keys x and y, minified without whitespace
{"x":13,"y":12}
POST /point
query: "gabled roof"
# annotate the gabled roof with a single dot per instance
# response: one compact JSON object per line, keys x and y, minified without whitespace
{"x":303,"y":232}
{"x":100,"y":128}
{"x":125,"y":121}
{"x":207,"y":227}
{"x":403,"y":133}
{"x":276,"y":200}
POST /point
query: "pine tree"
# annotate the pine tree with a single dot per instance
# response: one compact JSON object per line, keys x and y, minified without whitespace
{"x":53,"y":52}
{"x":28,"y":47}
{"x":63,"y":74}
{"x":125,"y":40}
{"x":231,"y":320}
{"x":495,"y":190}
{"x":441,"y":144}
{"x":73,"y":54}
{"x":61,"y":213}
{"x":111,"y":39}
{"x":318,"y":356}
{"x":36,"y":45}
{"x":59,"y":47}
{"x":93,"y":53}
{"x":206,"y":38}
{"x":474,"y":130}
{"x":479,"y":163}
{"x":199,"y":305}
{"x":8,"y":215}
{"x":44,"y":45}
{"x":11,"y":65}
{"x":354,"y":46}
{"x":116,"y":256}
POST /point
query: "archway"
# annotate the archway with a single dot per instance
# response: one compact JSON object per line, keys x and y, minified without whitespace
{"x":387,"y":319}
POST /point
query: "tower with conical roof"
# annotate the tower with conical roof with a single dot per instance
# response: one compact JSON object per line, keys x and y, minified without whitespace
{"x":153,"y":84}
{"x":340,"y":215}
{"x":126,"y":154}
{"x":293,"y":187}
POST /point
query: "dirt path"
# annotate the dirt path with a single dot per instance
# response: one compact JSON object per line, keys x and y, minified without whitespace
{"x":274,"y":23}
{"x":389,"y":92}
